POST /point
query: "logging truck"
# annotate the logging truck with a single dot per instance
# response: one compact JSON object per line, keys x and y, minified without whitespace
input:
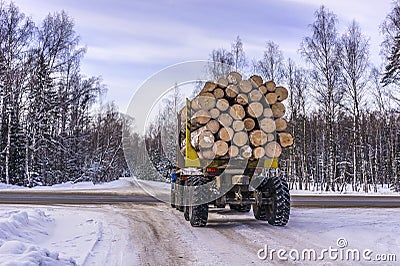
{"x":230,"y":138}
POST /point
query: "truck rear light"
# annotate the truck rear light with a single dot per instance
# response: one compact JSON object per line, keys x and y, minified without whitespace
{"x":258,"y":171}
{"x":212,"y":170}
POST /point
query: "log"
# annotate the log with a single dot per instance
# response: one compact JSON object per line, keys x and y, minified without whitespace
{"x":246,"y":151}
{"x":263,"y":89}
{"x":256,"y":81}
{"x":238,"y":125}
{"x":237,"y":112}
{"x":242,"y":99}
{"x":273,"y":149}
{"x":215,"y":113}
{"x":267,"y":125}
{"x":234,"y":77}
{"x":280,"y":124}
{"x":201,"y":117}
{"x":271,"y":98}
{"x":183,"y":114}
{"x":285,"y":139}
{"x":213,"y":126}
{"x":220,"y":148}
{"x":240,"y":138}
{"x":258,"y":152}
{"x":282,"y":93}
{"x":195,"y":105}
{"x":258,"y":138}
{"x":270,"y":137}
{"x":202,"y":138}
{"x":225,"y":119}
{"x":255,"y":96}
{"x":232,"y":91}
{"x":226,"y":134}
{"x":249,"y":124}
{"x":268,"y":113}
{"x":233,"y":151}
{"x":207,"y":154}
{"x":206,"y":101}
{"x":222,"y":104}
{"x":209,"y":86}
{"x":255,"y":109}
{"x":222,"y":83}
{"x":245,"y":86}
{"x":271,"y":86}
{"x":219,"y":93}
{"x":278,"y":110}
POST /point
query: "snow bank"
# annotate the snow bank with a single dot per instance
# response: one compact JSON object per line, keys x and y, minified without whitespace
{"x":20,"y":231}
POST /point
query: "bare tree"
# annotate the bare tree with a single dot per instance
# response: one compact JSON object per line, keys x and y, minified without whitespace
{"x":271,"y":66}
{"x":239,"y":57}
{"x":321,"y":51}
{"x":354,"y":63}
{"x":222,"y":63}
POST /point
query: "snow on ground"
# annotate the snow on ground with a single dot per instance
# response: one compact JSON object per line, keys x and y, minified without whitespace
{"x":381,"y":190}
{"x":59,"y":235}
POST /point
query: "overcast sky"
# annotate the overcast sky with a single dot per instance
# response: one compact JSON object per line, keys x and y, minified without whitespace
{"x":128,"y":41}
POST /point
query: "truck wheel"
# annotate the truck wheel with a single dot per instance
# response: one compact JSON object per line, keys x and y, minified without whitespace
{"x":277,"y":213}
{"x":197,"y":213}
{"x":240,"y":208}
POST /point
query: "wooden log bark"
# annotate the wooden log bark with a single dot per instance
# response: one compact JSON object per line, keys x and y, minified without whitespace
{"x":268,"y":113}
{"x":271,"y":86}
{"x":209,"y":86}
{"x":206,"y":154}
{"x":273,"y":149}
{"x":249,"y":123}
{"x":246,"y":151}
{"x":271,"y":98}
{"x":202,"y":138}
{"x":233,"y":151}
{"x":226,"y":134}
{"x":215,"y":113}
{"x":237,"y":112}
{"x":267,"y":125}
{"x":201,"y":117}
{"x":206,"y":101}
{"x":222,"y":83}
{"x":282,"y":93}
{"x":281,"y":124}
{"x":255,"y":96}
{"x":245,"y":86}
{"x":225,"y":119}
{"x":242,"y":99}
{"x":258,"y":138}
{"x":220,"y":148}
{"x":256,"y":81}
{"x":219,"y":93}
{"x":234,"y":77}
{"x":213,"y":126}
{"x":278,"y":109}
{"x":285,"y":139}
{"x":263,"y":89}
{"x":258,"y":152}
{"x":195,"y":105}
{"x":240,"y":138}
{"x":255,"y":109}
{"x":222,"y":105}
{"x":232,"y":91}
{"x":238,"y":125}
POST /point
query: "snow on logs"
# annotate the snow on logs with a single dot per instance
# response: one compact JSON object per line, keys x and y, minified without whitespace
{"x":240,"y":118}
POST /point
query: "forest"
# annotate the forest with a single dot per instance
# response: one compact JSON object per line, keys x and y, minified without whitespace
{"x":343,"y":110}
{"x":53,"y":128}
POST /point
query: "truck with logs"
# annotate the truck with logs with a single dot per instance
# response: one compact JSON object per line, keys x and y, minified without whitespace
{"x":230,"y":137}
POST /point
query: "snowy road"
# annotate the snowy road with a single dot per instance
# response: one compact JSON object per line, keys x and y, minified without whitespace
{"x":155,"y":234}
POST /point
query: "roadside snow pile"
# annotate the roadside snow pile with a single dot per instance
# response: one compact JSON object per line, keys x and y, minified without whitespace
{"x":20,"y":231}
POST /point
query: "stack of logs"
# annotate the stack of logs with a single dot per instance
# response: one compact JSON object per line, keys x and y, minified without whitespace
{"x":239,"y":118}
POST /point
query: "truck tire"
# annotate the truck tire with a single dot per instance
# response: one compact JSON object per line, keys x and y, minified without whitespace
{"x":277,"y":213}
{"x":197,"y":213}
{"x":240,"y":208}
